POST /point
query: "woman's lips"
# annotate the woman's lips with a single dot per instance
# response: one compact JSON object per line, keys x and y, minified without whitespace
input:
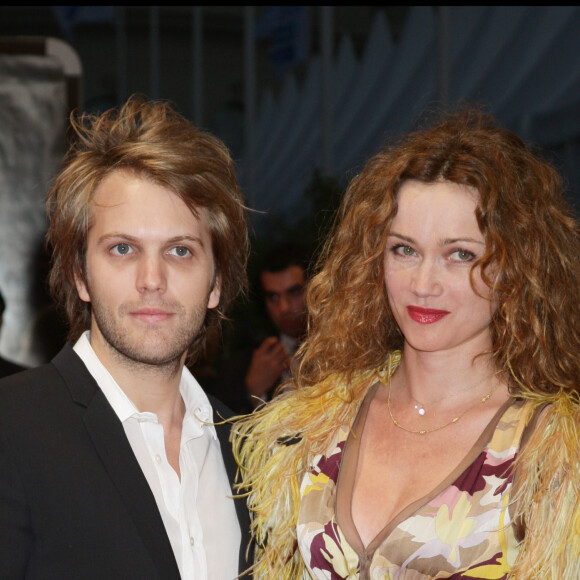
{"x":426,"y":315}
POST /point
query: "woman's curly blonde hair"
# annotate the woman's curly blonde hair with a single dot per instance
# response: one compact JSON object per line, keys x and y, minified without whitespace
{"x":531,"y":262}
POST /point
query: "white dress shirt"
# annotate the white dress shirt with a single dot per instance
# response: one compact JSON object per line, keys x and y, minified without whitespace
{"x":291,"y":344}
{"x":198,"y":512}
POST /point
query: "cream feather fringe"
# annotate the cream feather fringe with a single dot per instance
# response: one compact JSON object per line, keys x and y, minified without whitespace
{"x":547,"y":499}
{"x":275,"y":445}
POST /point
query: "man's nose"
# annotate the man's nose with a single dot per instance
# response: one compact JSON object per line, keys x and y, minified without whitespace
{"x":284,"y":304}
{"x":151,"y":274}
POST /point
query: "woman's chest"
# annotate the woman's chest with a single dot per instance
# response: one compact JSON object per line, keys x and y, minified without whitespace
{"x":460,"y":528}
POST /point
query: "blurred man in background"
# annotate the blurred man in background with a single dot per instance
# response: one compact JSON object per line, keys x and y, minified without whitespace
{"x":252,"y":374}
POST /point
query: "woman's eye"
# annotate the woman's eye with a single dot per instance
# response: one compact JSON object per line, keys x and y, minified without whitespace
{"x":181,"y":251}
{"x":121,"y":249}
{"x":464,"y":255}
{"x":402,"y":250}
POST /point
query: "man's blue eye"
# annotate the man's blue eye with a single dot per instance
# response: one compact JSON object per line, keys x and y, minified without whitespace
{"x":122,"y":249}
{"x":181,"y":251}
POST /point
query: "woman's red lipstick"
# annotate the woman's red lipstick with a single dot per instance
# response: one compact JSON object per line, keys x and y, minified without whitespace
{"x":426,"y":315}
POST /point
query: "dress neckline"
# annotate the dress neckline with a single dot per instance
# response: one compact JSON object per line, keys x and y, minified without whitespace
{"x":348,"y":468}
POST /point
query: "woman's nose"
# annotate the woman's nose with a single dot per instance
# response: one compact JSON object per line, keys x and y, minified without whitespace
{"x":427,"y":279}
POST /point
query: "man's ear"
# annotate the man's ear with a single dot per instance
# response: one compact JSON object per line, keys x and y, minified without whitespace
{"x":214,"y":295}
{"x":82,"y":289}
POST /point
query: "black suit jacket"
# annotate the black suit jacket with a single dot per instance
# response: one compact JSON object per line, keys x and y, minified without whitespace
{"x":74,"y":502}
{"x":9,"y":368}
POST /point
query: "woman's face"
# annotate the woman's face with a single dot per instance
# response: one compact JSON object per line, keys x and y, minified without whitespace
{"x":432,"y":246}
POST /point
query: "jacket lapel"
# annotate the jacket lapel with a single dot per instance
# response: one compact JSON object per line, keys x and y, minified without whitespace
{"x":114,"y":450}
{"x":221,"y":413}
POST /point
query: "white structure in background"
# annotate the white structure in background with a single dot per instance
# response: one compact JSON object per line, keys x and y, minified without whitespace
{"x":40,"y":81}
{"x":521,"y":63}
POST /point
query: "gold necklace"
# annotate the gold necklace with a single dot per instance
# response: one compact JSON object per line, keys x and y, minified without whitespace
{"x":454,"y":420}
{"x":420,"y":407}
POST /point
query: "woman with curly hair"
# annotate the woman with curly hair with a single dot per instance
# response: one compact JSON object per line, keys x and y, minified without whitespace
{"x":431,"y":430}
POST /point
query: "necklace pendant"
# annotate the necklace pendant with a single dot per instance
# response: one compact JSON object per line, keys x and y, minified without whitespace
{"x":422,"y":411}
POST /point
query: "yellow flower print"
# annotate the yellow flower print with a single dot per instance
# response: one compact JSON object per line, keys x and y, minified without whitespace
{"x":341,"y":556}
{"x":501,"y":568}
{"x":450,"y":530}
{"x":317,"y":483}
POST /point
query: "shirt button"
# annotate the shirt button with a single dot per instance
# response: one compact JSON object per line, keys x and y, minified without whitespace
{"x":158,"y":458}
{"x":192,"y":541}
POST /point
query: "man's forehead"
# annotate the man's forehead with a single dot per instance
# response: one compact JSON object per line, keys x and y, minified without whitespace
{"x":113,"y":191}
{"x":128,"y":205}
{"x":283,"y":280}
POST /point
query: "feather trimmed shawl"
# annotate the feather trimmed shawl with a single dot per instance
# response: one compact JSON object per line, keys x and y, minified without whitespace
{"x":275,"y":445}
{"x":547,"y":500}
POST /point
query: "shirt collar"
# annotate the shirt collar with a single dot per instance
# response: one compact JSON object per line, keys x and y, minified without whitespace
{"x":290,"y":342}
{"x":198,"y":410}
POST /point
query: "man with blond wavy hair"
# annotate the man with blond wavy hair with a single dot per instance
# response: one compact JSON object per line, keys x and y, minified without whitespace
{"x":113,"y":463}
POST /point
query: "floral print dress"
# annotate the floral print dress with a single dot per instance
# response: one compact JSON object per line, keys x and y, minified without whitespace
{"x":460,"y":530}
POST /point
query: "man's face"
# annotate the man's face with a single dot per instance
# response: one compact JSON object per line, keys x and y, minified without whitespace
{"x":149,"y":272}
{"x":284,"y":297}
